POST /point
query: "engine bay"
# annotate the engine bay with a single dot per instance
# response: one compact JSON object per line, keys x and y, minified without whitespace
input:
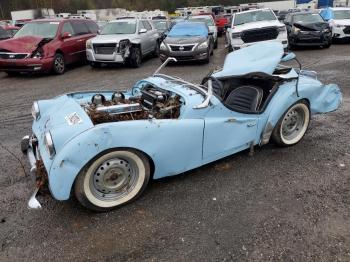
{"x":152,"y":103}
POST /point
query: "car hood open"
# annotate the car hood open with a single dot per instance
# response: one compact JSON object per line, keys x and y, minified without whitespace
{"x":261,"y":57}
{"x":26,"y":44}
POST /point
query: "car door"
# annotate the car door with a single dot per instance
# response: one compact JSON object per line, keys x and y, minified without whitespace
{"x":69,"y":45}
{"x":152,"y":35}
{"x":227,"y":132}
{"x":143,"y":38}
{"x":82,"y":35}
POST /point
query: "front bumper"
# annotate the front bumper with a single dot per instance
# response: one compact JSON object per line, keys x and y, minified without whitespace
{"x":238,"y":43}
{"x":26,"y":65}
{"x":29,"y":146}
{"x":310,"y":38}
{"x":196,"y":55}
{"x":109,"y":58}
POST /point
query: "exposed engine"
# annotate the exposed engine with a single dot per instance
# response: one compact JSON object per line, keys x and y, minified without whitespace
{"x":153,"y":103}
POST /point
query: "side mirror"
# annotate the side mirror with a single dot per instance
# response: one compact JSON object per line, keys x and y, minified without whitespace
{"x":66,"y":35}
{"x":288,"y":57}
{"x":142,"y":31}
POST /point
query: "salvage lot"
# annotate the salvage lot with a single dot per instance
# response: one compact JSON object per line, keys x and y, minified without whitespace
{"x":281,"y":204}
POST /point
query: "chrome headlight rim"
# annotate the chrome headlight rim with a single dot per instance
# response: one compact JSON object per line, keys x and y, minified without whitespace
{"x":36,"y":110}
{"x":48,"y":142}
{"x":203,"y":45}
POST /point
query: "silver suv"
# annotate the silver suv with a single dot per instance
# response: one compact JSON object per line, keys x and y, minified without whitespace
{"x":124,"y":41}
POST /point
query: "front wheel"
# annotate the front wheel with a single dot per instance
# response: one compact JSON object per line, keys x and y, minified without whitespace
{"x":293,"y":125}
{"x":59,"y":65}
{"x":135,"y":57}
{"x":113,"y":179}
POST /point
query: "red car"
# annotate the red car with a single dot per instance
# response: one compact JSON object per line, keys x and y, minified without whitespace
{"x":46,"y":45}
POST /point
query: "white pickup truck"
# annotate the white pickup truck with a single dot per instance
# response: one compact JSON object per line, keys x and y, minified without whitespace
{"x":253,"y":26}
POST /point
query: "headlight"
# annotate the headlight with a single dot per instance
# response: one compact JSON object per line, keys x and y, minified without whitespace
{"x":88,"y":44}
{"x":38,"y":53}
{"x":281,"y":29}
{"x":295,"y":30}
{"x":35,"y":111}
{"x":48,"y":142}
{"x":203,"y":45}
{"x":163,"y":47}
{"x":236,"y":35}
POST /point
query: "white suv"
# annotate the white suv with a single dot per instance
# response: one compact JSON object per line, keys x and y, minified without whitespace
{"x":339,"y":20}
{"x":253,"y":26}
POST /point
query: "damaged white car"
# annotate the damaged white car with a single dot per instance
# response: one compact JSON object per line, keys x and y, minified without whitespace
{"x":124,"y":41}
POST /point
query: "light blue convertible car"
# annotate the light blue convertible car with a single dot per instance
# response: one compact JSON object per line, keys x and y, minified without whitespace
{"x":106,"y":146}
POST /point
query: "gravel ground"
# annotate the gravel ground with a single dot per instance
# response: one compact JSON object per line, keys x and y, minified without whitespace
{"x":282,"y":204}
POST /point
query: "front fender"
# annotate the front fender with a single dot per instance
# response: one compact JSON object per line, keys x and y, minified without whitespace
{"x":174,"y":146}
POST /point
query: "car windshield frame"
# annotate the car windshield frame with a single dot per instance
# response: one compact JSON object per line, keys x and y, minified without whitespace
{"x":248,"y":17}
{"x":345,"y":14}
{"x":111,"y":29}
{"x":189,"y":29}
{"x":38,"y":29}
{"x":320,"y":20}
{"x":202,"y":19}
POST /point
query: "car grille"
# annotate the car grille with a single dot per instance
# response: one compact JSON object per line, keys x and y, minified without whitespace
{"x":104,"y":49}
{"x":181,"y":48}
{"x":261,"y":34}
{"x":346,"y":30}
{"x":12,"y":56}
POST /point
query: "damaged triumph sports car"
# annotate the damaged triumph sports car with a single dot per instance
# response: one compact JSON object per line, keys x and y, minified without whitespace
{"x":106,"y":146}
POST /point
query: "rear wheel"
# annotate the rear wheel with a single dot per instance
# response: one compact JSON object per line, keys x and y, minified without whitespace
{"x":113,"y":179}
{"x":156,"y":50}
{"x":59,"y":65}
{"x":293,"y":125}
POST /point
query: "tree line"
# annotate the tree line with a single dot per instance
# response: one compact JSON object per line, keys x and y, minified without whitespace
{"x":71,"y":6}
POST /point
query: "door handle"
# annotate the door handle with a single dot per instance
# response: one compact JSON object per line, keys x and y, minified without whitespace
{"x":231,"y":120}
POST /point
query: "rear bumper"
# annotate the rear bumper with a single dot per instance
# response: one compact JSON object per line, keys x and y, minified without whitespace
{"x":26,"y":65}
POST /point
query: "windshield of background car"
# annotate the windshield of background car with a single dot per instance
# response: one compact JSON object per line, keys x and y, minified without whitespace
{"x":206,"y":20}
{"x":341,"y":14}
{"x":188,"y":30}
{"x":3,"y":33}
{"x":42,"y":29}
{"x":307,"y":18}
{"x":119,"y":28}
{"x":254,"y":16}
{"x":160,"y":25}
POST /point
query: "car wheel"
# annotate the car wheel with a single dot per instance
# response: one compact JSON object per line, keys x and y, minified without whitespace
{"x":95,"y":64}
{"x":113,"y":179}
{"x":136,"y":57}
{"x":293,"y":125}
{"x":216,"y":44}
{"x":327,"y":45}
{"x":207,"y":59}
{"x":59,"y":65}
{"x":156,"y":50}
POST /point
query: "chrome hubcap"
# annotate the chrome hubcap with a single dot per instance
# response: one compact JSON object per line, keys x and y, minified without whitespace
{"x":113,"y":179}
{"x":293,"y":123}
{"x":59,"y":64}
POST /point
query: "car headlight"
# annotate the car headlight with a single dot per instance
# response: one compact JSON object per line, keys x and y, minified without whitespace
{"x":236,"y":35}
{"x":281,"y":29}
{"x":203,"y":45}
{"x":49,"y":146}
{"x":295,"y":30}
{"x":88,"y":44}
{"x":35,"y":110}
{"x":38,"y":53}
{"x":163,"y":47}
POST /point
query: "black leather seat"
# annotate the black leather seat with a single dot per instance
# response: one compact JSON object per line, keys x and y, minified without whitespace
{"x":245,"y":98}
